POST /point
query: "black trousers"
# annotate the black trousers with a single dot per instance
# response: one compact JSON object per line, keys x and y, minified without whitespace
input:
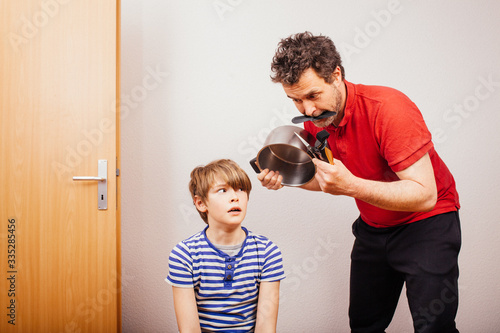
{"x":423,"y":255}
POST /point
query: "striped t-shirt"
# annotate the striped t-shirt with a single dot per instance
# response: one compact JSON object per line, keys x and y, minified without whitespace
{"x":226,"y":287}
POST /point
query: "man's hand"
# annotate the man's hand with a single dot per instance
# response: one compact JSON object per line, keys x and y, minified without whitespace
{"x":333,"y":178}
{"x":270,"y":179}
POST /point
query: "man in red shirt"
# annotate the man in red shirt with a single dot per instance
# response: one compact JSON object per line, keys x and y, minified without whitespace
{"x":408,"y":230}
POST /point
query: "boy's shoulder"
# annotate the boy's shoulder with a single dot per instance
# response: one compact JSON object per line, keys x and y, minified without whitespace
{"x":194,"y":241}
{"x":259,"y":238}
{"x":200,"y":235}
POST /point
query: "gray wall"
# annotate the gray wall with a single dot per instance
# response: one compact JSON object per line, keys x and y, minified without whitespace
{"x":196,"y":87}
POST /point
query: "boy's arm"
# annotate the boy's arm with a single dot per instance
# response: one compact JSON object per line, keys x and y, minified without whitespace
{"x":267,"y":307}
{"x":186,"y":310}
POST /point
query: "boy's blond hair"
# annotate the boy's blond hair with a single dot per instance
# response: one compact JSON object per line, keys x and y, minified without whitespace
{"x":203,"y":178}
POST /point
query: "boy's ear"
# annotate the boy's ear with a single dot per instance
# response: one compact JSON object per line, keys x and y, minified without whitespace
{"x":200,"y":205}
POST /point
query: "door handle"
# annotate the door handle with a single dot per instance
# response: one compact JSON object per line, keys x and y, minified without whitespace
{"x":102,"y":183}
{"x":99,"y":179}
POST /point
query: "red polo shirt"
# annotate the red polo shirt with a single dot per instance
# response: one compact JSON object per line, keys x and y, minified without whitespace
{"x":383,"y":132}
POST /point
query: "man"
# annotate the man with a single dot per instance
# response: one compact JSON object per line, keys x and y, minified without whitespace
{"x":408,"y":230}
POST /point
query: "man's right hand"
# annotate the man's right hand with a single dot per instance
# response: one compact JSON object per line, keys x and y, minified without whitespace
{"x":270,"y":179}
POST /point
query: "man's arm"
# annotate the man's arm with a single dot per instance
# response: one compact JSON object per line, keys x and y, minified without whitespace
{"x":272,"y":181}
{"x":415,"y":191}
{"x":186,"y":310}
{"x":267,"y":307}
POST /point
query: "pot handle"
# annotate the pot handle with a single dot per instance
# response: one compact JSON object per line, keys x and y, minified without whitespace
{"x":253,"y":163}
{"x":323,"y":147}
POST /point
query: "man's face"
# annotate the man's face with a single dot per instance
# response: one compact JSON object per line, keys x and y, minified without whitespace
{"x":312,"y":96}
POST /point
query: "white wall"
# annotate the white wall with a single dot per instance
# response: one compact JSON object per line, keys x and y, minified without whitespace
{"x":196,"y":87}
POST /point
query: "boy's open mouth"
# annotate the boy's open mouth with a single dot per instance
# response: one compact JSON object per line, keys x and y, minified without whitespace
{"x":233,"y":210}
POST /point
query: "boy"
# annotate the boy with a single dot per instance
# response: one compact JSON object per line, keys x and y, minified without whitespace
{"x":224,"y":278}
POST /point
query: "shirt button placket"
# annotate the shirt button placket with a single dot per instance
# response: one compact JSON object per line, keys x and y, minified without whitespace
{"x":229,"y":272}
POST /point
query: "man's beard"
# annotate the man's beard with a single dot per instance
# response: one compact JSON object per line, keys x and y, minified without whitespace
{"x":337,"y":108}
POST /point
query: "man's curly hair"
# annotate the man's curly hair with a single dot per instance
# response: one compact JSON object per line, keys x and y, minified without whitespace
{"x":301,"y":51}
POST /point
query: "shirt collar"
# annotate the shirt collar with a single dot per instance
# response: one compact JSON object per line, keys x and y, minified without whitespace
{"x":349,"y":103}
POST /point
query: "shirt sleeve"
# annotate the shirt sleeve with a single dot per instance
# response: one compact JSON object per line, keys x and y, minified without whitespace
{"x":180,"y":267}
{"x":401,"y":132}
{"x":272,"y":269}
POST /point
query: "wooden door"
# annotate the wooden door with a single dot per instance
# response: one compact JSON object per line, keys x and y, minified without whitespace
{"x":59,"y":254}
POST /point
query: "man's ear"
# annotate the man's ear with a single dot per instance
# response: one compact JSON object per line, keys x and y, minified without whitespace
{"x":200,"y":205}
{"x":337,"y":76}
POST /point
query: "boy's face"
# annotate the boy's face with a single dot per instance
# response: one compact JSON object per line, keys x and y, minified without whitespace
{"x":225,"y":206}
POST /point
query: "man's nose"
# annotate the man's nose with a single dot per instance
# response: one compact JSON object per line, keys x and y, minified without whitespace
{"x":309,"y":108}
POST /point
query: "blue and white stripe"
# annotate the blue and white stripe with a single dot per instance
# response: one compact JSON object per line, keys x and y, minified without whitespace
{"x":225,"y":304}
